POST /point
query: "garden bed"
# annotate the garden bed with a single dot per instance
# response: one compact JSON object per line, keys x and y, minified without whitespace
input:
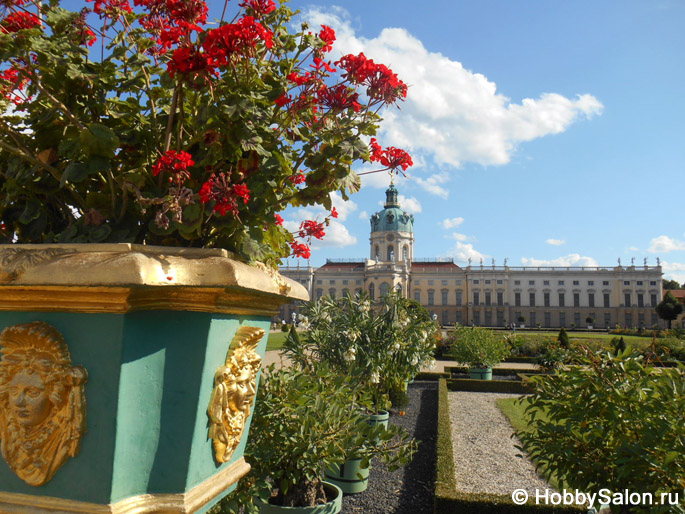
{"x":408,"y":490}
{"x":449,"y":498}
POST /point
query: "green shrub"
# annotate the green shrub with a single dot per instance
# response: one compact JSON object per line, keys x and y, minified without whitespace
{"x":612,"y":423}
{"x":564,"y":341}
{"x":478,"y":347}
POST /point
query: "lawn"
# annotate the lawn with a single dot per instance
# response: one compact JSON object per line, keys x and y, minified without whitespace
{"x":276,"y":340}
{"x":597,"y":336}
{"x":513,"y":409}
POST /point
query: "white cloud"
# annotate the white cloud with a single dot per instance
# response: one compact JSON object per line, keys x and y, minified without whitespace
{"x":665,"y":244}
{"x":674,"y":271}
{"x":458,"y":236}
{"x":363,"y":215}
{"x":573,"y":259}
{"x":344,"y":208}
{"x":453,"y":114}
{"x":434,"y":184}
{"x":337,"y":236}
{"x":555,"y":242}
{"x":462,"y":252}
{"x":411,"y":205}
{"x":451,"y":222}
{"x":633,"y":249}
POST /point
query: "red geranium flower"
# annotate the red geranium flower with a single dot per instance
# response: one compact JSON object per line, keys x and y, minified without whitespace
{"x":176,"y":164}
{"x":16,"y":21}
{"x":311,"y":228}
{"x":327,"y":35}
{"x":300,"y":250}
{"x":225,"y":195}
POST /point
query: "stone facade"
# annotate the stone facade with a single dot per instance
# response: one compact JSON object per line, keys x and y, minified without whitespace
{"x":493,"y":296}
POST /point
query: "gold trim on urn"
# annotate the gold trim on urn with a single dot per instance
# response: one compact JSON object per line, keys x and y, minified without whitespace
{"x":42,"y":401}
{"x":235,"y":386}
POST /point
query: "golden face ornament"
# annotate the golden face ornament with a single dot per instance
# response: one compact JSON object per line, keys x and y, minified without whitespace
{"x":42,"y":401}
{"x":235,"y":387}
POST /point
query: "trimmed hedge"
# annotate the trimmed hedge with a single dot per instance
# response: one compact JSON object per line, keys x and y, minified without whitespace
{"x":488,"y":386}
{"x":431,"y":375}
{"x":448,"y":500}
{"x":499,"y":371}
{"x":522,"y":360}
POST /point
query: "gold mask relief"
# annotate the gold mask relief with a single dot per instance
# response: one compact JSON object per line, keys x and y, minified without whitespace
{"x":234,"y":392}
{"x":42,"y":401}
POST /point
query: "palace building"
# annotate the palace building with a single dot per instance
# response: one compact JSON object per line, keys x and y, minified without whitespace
{"x":491,"y":296}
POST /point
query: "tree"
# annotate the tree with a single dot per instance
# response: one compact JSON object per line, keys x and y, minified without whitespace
{"x":669,"y":308}
{"x":671,"y":284}
{"x":563,"y":338}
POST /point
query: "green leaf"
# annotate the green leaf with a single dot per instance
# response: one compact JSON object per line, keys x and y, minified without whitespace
{"x":74,"y":173}
{"x":31,"y":212}
{"x":97,"y":139}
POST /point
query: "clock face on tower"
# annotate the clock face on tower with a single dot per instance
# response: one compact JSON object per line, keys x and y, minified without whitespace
{"x":389,"y":237}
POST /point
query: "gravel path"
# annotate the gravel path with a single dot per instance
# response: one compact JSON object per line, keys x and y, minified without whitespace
{"x":485,"y":456}
{"x":408,"y":490}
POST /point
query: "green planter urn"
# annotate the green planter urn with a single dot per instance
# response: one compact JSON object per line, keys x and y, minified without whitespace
{"x":128,"y":375}
{"x":333,"y":506}
{"x":481,"y":373}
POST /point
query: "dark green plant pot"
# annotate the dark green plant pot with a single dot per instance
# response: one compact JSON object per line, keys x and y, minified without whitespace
{"x":334,"y":505}
{"x":350,"y":476}
{"x":481,"y":373}
{"x":381,"y":418}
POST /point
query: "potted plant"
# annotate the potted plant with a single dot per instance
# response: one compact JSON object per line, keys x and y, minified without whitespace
{"x":387,"y":348}
{"x":480,"y":349}
{"x":384,"y":349}
{"x":142,"y":184}
{"x":522,"y":321}
{"x":590,"y":321}
{"x":304,"y":422}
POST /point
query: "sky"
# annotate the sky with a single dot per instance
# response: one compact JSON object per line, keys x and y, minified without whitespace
{"x":543,"y":132}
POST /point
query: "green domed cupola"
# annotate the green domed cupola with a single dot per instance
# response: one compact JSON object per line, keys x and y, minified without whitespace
{"x":392,"y":218}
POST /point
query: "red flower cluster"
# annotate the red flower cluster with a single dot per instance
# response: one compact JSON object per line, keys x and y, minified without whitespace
{"x":172,"y":20}
{"x":310,"y":228}
{"x":174,"y":163}
{"x":187,"y":60}
{"x":259,"y":7}
{"x":235,"y":38}
{"x":297,"y":178}
{"x":220,"y":46}
{"x":110,"y":8}
{"x":300,"y":250}
{"x":14,"y":83}
{"x":382,"y":83}
{"x":299,"y":79}
{"x":339,"y":98}
{"x":279,"y":220}
{"x":327,"y":35}
{"x":334,"y":213}
{"x":391,"y":157}
{"x":225,"y":195}
{"x":16,"y":21}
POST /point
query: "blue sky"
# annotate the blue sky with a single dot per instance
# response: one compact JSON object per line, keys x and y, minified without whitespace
{"x":544,"y":132}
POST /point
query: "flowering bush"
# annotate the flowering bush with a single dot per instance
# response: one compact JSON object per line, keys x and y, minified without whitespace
{"x":146,"y":124}
{"x":386,"y":345}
